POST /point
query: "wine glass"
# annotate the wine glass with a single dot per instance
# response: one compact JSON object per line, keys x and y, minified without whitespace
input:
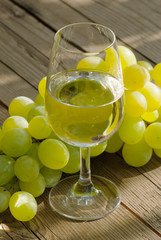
{"x":84,"y":104}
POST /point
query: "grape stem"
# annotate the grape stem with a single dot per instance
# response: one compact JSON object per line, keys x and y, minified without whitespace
{"x":84,"y":187}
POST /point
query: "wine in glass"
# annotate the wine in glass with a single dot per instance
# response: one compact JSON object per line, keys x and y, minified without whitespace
{"x":84,"y":104}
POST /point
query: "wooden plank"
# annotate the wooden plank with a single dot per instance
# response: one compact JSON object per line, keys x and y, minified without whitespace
{"x":12,"y":85}
{"x":26,"y":27}
{"x":142,"y":34}
{"x":57,"y":14}
{"x":121,"y":224}
{"x":21,"y":57}
{"x":19,"y":21}
{"x":32,"y":30}
{"x":3,"y":113}
{"x":13,"y":229}
{"x":138,"y":192}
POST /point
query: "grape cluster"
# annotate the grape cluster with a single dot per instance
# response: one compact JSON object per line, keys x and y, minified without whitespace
{"x":33,"y":158}
{"x":140,"y":130}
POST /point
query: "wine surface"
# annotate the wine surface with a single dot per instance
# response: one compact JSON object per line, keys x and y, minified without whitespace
{"x":84,"y":107}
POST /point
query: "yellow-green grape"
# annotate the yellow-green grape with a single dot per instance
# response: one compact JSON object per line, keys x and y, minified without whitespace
{"x":73,"y":164}
{"x":51,"y":176}
{"x":39,"y":100}
{"x":16,"y":142}
{"x":6,"y":169}
{"x":14,"y":122}
{"x":156,"y":74}
{"x":135,"y":77}
{"x":53,"y":153}
{"x":111,"y":61}
{"x":20,"y":106}
{"x":39,"y":127}
{"x":33,"y":152}
{"x":23,"y":206}
{"x":114,"y":143}
{"x":158,"y":152}
{"x":127,"y":57}
{"x":98,"y":149}
{"x":138,"y":154}
{"x":26,"y":168}
{"x":146,"y":65}
{"x":93,"y":63}
{"x":153,"y":135}
{"x":152,"y":93}
{"x":4,"y":199}
{"x":35,"y":187}
{"x":132,"y":129}
{"x":42,"y":87}
{"x":135,"y":103}
{"x":150,"y":116}
{"x":38,"y":110}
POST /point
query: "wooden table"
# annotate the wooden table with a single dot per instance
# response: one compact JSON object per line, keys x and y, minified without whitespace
{"x":27,"y":28}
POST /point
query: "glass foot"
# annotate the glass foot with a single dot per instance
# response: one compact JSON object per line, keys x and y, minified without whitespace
{"x":91,"y":207}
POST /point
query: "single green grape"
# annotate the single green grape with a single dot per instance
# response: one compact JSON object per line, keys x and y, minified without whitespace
{"x":20,"y":106}
{"x":152,"y":94}
{"x":148,"y":66}
{"x":127,"y":57}
{"x":26,"y":168}
{"x":4,"y":199}
{"x":156,"y":74}
{"x":39,"y":127}
{"x":153,"y":135}
{"x":93,"y":62}
{"x":38,"y":110}
{"x":137,"y":155}
{"x":135,"y":77}
{"x":53,"y":153}
{"x":114,"y":143}
{"x":14,"y":122}
{"x":23,"y":206}
{"x":33,"y":152}
{"x":16,"y":142}
{"x":39,"y":100}
{"x":6,"y":169}
{"x":73,"y":164}
{"x":150,"y":116}
{"x":98,"y":149}
{"x":135,"y":103}
{"x":35,"y":187}
{"x":42,"y":87}
{"x":132,"y":129}
{"x":51,"y":176}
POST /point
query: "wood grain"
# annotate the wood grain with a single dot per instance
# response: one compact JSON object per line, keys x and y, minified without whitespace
{"x":129,"y":25}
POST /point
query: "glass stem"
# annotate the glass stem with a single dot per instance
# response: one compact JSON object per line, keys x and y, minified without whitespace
{"x":85,"y":171}
{"x":84,"y":187}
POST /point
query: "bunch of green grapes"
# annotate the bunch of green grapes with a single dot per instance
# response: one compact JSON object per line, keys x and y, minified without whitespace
{"x":140,"y":130}
{"x":32,"y":157}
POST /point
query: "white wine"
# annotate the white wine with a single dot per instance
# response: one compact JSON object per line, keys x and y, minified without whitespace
{"x":84,"y":107}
